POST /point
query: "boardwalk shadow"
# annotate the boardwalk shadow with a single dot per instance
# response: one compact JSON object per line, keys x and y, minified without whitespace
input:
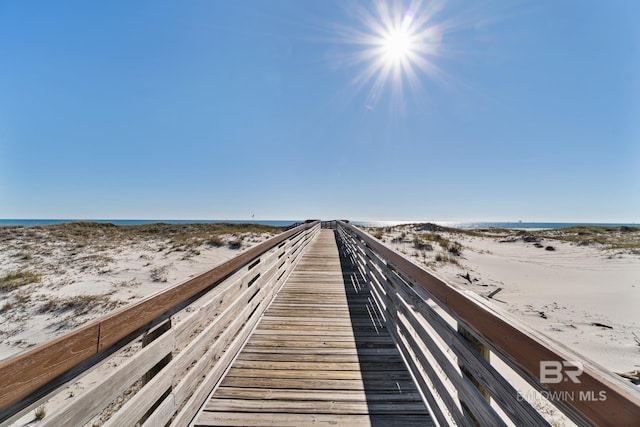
{"x":392,"y":396}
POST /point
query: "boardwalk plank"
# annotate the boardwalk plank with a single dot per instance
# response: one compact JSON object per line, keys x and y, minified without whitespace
{"x":318,"y":356}
{"x":296,"y":420}
{"x":335,"y":395}
{"x":321,"y":384}
{"x":319,"y":366}
{"x":250,"y":374}
{"x":323,"y":406}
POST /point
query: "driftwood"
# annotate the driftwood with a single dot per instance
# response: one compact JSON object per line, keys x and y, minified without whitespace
{"x":494,"y":292}
{"x":633,"y":376}
{"x":602,"y":325}
{"x":467,"y":277}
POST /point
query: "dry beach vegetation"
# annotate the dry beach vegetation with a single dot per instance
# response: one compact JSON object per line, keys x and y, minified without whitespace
{"x":580,"y":286}
{"x":54,"y":278}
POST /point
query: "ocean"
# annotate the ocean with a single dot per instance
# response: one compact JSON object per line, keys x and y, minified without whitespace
{"x":28,"y":222}
{"x":286,"y":223}
{"x":512,"y":225}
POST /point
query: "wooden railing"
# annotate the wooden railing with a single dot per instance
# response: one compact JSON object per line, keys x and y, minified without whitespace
{"x":160,"y":356}
{"x":154,"y":362}
{"x":448,"y":354}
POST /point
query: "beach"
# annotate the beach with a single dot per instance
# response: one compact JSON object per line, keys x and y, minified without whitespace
{"x":55,"y":278}
{"x":581,"y":288}
{"x":578,"y":286}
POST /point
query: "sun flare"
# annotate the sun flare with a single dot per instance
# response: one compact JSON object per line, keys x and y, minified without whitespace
{"x":397,"y":48}
{"x":397,"y":45}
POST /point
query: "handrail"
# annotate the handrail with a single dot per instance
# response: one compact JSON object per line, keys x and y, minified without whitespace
{"x":520,"y":349}
{"x":28,"y":376}
{"x":32,"y":370}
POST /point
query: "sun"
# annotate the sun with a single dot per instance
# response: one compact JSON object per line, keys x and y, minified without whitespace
{"x":397,"y":45}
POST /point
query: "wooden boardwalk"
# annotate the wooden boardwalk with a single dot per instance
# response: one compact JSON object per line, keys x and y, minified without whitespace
{"x":320,"y":355}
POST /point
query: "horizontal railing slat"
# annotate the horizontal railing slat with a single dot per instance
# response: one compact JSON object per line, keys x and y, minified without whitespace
{"x":210,"y":346}
{"x":135,"y":316}
{"x":117,"y":381}
{"x":520,"y":411}
{"x":521,"y":350}
{"x":33,"y":370}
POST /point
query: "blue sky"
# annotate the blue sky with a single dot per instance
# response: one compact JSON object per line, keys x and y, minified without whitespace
{"x":523,"y":110}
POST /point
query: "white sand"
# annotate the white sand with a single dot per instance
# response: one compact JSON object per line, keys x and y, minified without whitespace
{"x":574,"y":286}
{"x":116,"y":274}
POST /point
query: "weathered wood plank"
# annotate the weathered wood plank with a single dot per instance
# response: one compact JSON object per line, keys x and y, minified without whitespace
{"x":316,"y":350}
{"x":163,"y":413}
{"x":314,"y":374}
{"x":519,"y":411}
{"x":329,"y":395}
{"x":316,"y":406}
{"x":381,"y":352}
{"x":29,"y":371}
{"x":296,"y":420}
{"x":32,"y":370}
{"x":320,"y":366}
{"x":321,"y":384}
{"x":407,"y":326}
{"x":134,"y":316}
{"x":96,"y":397}
{"x":520,"y":348}
{"x":287,"y":357}
{"x":316,"y":331}
{"x":246,"y":319}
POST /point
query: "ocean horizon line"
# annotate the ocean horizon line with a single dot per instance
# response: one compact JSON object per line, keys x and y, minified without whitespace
{"x":286,"y":223}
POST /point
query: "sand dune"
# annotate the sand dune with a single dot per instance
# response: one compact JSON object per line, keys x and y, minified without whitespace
{"x":580,"y":293}
{"x":579,"y":288}
{"x":56,"y":278}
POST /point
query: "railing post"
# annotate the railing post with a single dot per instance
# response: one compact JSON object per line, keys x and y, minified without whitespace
{"x":485,"y":353}
{"x":149,"y":337}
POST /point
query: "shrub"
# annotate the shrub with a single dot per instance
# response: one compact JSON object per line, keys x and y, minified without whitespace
{"x":8,"y":306}
{"x":215,"y":240}
{"x":421,"y":245}
{"x":235,"y":243}
{"x":454,"y":248}
{"x":433,"y":237}
{"x":160,"y":274}
{"x":447,"y":258}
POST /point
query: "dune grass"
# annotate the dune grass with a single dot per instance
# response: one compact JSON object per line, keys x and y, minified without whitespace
{"x":423,"y":241}
{"x":621,"y":237}
{"x":80,"y":304}
{"x":608,"y":238}
{"x":16,"y":279}
{"x":178,"y":236}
